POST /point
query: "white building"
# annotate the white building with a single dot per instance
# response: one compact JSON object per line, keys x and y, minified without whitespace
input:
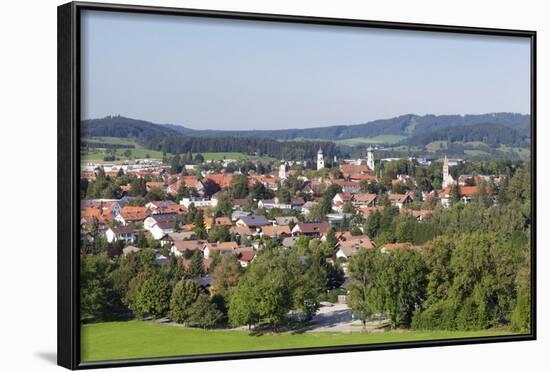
{"x":122,"y":233}
{"x":320,"y":159}
{"x":282,"y":171}
{"x":370,"y":158}
{"x":448,"y":180}
{"x":199,"y":202}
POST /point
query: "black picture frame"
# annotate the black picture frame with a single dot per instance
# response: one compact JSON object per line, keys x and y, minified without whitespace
{"x":68,"y":334}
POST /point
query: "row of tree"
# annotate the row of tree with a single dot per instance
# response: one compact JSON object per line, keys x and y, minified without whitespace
{"x":278,"y":282}
{"x":297,"y":150}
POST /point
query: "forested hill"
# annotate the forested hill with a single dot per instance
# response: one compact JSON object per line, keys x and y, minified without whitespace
{"x":489,"y":133}
{"x":405,"y":125}
{"x":119,"y":126}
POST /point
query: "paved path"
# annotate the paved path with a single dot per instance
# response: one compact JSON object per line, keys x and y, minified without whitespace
{"x":338,"y":318}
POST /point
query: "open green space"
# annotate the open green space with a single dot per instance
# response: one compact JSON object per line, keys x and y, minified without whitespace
{"x":524,"y":153}
{"x":436,"y":146}
{"x":141,"y":339}
{"x":140,"y":152}
{"x":388,"y":139}
{"x":232,"y":156}
{"x":97,"y":154}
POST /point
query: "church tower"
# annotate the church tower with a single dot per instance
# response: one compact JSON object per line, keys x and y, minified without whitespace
{"x":447,"y":178}
{"x":320,"y":159}
{"x":282,"y":171}
{"x":370,"y":158}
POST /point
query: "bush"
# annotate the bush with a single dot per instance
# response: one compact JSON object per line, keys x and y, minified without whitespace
{"x":332,"y":295}
{"x":521,"y":316}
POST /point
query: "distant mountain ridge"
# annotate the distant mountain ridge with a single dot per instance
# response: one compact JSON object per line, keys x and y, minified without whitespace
{"x":416,"y":128}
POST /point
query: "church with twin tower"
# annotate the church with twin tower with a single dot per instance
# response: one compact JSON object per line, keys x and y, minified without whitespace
{"x":370,"y":159}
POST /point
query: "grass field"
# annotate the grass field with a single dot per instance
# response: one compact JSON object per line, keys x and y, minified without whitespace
{"x":388,"y":139}
{"x":231,"y":155}
{"x":436,"y":146}
{"x":139,"y":152}
{"x":140,"y":339}
{"x":524,"y":153}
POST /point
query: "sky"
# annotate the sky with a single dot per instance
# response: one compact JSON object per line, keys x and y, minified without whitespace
{"x":233,"y":74}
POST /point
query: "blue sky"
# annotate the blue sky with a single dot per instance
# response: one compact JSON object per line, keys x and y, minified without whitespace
{"x":230,"y":74}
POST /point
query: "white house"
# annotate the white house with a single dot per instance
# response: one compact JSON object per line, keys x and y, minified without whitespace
{"x":160,"y":224}
{"x":157,"y":206}
{"x":199,"y":202}
{"x":180,"y":246}
{"x":122,"y":233}
{"x":273,"y":203}
{"x":223,"y":248}
{"x":400,"y":200}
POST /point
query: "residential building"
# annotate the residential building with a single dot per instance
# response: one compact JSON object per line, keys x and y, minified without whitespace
{"x":312,"y":229}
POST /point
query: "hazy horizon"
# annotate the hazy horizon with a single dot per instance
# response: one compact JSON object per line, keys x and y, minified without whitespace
{"x":290,"y":128}
{"x":242,"y":75}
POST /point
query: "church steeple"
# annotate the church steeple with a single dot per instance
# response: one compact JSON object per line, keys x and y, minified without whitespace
{"x":282,"y":171}
{"x":370,"y":158}
{"x":447,"y":178}
{"x":320,"y":159}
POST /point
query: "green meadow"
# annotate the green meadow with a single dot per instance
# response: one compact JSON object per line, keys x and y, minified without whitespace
{"x":388,"y":139}
{"x":140,"y":152}
{"x":141,"y":339}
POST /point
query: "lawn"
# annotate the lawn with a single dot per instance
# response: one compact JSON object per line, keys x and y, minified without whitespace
{"x":141,"y":339}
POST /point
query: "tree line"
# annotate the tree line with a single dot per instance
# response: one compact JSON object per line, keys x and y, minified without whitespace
{"x":470,"y":270}
{"x":296,"y":150}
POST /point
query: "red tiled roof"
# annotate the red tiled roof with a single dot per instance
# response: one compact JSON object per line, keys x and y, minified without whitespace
{"x":192,"y":245}
{"x":223,"y":180}
{"x":363,"y":197}
{"x":247,"y":255}
{"x":129,"y":213}
{"x":313,"y":227}
{"x":275,"y":230}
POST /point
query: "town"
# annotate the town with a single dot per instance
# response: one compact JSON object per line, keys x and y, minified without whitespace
{"x":159,"y":213}
{"x":211,"y":223}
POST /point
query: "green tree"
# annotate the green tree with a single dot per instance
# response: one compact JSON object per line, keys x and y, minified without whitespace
{"x":373,"y":224}
{"x":153,"y":297}
{"x":155,"y":193}
{"x":263,"y":293}
{"x":363,"y":269}
{"x":138,"y":187}
{"x":96,"y":294}
{"x":402,"y":285}
{"x":224,"y":206}
{"x":238,"y":188}
{"x":182,"y":192}
{"x":225,"y":277}
{"x":184,"y":295}
{"x":203,"y":312}
{"x":196,"y":265}
{"x":200,"y":229}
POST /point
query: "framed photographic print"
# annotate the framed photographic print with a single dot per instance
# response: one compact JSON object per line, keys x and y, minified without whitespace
{"x":237,"y":185}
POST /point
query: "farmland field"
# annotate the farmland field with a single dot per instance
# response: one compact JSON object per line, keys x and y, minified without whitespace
{"x":140,"y":152}
{"x":141,"y":339}
{"x":383,"y":139}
